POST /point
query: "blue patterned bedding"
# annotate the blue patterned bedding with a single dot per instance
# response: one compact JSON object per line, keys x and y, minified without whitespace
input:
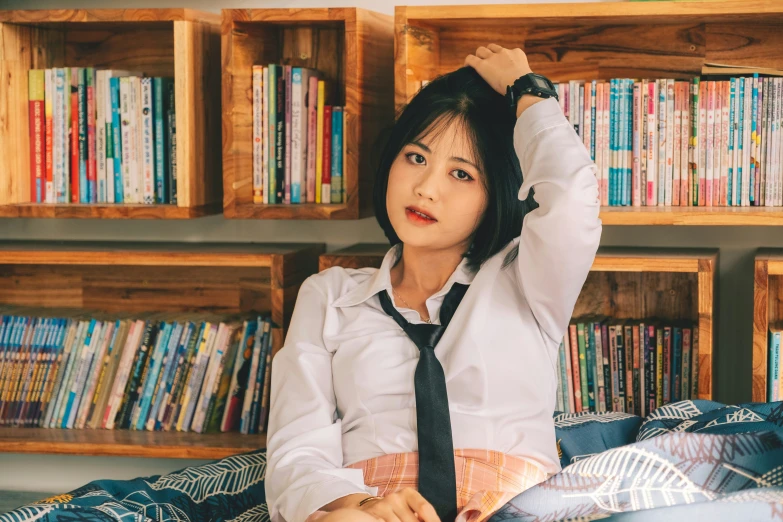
{"x":696,"y":459}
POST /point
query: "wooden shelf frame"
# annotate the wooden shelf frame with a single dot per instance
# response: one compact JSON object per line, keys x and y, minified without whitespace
{"x":126,"y":443}
{"x":767,"y":309}
{"x":671,"y":284}
{"x":180,"y":43}
{"x":599,"y":40}
{"x":353,"y":48}
{"x":137,"y":277}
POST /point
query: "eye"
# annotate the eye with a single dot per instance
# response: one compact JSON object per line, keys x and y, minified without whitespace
{"x":461,"y":175}
{"x":415,"y":158}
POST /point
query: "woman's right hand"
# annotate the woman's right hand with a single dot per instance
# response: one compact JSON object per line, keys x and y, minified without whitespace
{"x":406,"y":505}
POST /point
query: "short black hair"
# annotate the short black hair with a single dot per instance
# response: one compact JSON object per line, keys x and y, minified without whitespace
{"x":463,"y":97}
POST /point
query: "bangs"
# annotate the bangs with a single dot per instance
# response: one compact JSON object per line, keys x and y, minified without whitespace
{"x":461,"y":123}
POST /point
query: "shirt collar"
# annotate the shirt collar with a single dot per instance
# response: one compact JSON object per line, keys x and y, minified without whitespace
{"x":381,"y":280}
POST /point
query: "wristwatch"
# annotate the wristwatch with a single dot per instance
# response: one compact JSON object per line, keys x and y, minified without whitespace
{"x":530,"y":83}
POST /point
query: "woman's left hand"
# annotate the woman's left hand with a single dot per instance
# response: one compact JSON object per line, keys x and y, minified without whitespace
{"x":500,"y":67}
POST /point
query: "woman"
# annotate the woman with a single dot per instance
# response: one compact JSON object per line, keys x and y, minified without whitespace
{"x":342,"y":438}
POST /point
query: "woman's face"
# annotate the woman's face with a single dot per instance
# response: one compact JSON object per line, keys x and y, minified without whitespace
{"x":438,"y":177}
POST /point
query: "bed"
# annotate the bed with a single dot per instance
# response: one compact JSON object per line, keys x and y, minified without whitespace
{"x":696,"y":458}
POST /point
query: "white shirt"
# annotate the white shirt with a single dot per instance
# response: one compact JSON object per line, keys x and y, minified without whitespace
{"x":342,"y":386}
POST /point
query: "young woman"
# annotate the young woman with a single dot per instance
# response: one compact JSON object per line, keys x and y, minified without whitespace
{"x":342,"y":438}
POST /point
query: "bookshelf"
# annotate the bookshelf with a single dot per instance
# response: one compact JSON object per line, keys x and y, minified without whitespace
{"x":767,"y":309}
{"x":353,"y":49}
{"x":572,"y":41}
{"x":131,"y":278}
{"x":669,"y":284}
{"x":179,"y":43}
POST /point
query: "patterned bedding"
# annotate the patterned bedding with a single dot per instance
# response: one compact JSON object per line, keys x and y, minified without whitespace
{"x":696,"y":459}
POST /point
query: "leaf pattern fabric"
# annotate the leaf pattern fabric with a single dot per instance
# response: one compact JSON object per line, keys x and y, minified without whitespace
{"x":690,"y":460}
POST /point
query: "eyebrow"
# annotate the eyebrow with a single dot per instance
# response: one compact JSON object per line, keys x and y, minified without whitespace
{"x":455,"y":158}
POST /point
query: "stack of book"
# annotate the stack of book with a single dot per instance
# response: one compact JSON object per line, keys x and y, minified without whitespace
{"x":626,"y":365}
{"x":666,"y":142}
{"x":101,"y":136}
{"x":140,"y":374}
{"x":298,"y":137}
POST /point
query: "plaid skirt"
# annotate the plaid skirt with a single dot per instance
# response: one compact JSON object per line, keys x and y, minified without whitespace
{"x":486,"y":479}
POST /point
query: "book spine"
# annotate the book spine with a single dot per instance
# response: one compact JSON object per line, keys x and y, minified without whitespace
{"x":79,"y":372}
{"x":176,"y":358}
{"x":685,"y":170}
{"x":266,"y":381}
{"x":174,"y":402}
{"x":584,"y":377}
{"x":600,"y":398}
{"x":639,"y":354}
{"x":652,"y":144}
{"x":636,"y":147}
{"x":336,"y":182}
{"x":753,"y":135}
{"x":621,"y":368}
{"x":326,"y":179}
{"x":705,"y":189}
{"x":46,"y":183}
{"x":271,"y":92}
{"x":108,"y":138}
{"x":280,"y":150}
{"x":312,"y":139}
{"x":685,"y":392}
{"x":151,"y":365}
{"x":95,"y":372}
{"x":575,"y":367}
{"x":244,"y":423}
{"x":159,"y":89}
{"x":265,"y":143}
{"x":319,"y":136}
{"x":100,"y":135}
{"x":287,"y":147}
{"x":74,"y":134}
{"x":104,"y":377}
{"x":147,"y":143}
{"x":676,"y":364}
{"x":659,"y":369}
{"x":137,"y":368}
{"x":258,"y":139}
{"x":92,"y":168}
{"x":152,"y":382}
{"x":679,"y":94}
{"x":28,"y":376}
{"x":127,"y":138}
{"x":747,"y":182}
{"x":37,"y":127}
{"x":84,"y":159}
{"x":60,"y":365}
{"x":116,"y":138}
{"x":294,"y":136}
{"x":67,"y":382}
{"x":171,"y":142}
{"x":61,"y":98}
{"x":723,"y":142}
{"x":190,"y":393}
{"x":710,"y":166}
{"x":170,"y":356}
{"x":615,"y":367}
{"x":47,"y":180}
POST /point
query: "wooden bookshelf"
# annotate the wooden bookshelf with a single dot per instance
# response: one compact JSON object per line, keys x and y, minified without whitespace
{"x":135,"y":278}
{"x":600,"y":40}
{"x":767,"y":309}
{"x":179,"y":43}
{"x":670,"y":284}
{"x":353,"y":49}
{"x":125,"y":443}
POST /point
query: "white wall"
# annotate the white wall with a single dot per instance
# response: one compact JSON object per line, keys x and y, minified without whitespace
{"x":737,"y":246}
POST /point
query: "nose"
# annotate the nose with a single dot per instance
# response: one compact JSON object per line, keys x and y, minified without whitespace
{"x":426,"y":185}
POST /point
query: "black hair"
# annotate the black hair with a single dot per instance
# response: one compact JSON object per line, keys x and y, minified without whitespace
{"x":463,"y":97}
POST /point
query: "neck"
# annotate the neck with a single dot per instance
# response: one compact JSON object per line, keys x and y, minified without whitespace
{"x":423,"y":271}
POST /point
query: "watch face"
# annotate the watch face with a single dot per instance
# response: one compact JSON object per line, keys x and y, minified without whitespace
{"x":540,"y":82}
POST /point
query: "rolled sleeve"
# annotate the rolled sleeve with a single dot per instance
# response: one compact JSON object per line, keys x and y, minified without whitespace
{"x":559,"y":238}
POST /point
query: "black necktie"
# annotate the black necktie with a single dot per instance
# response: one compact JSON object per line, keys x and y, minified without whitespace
{"x":437,"y":477}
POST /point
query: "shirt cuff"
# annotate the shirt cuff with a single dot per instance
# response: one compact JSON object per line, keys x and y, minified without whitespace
{"x":325,"y":492}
